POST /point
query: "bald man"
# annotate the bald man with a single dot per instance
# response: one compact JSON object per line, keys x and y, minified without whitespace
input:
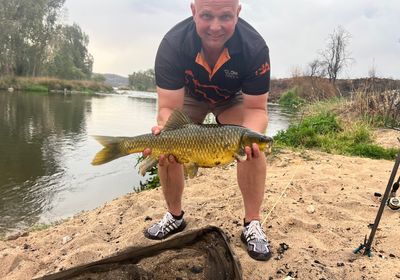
{"x":214,"y":62}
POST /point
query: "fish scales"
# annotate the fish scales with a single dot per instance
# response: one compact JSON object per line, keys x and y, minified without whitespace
{"x":193,"y":145}
{"x":207,"y":145}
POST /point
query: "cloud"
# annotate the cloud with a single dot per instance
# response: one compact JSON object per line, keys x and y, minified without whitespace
{"x":124,"y":34}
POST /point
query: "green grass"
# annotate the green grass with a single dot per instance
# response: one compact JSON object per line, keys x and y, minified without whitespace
{"x":291,"y":100}
{"x":152,"y":182}
{"x":45,"y":84}
{"x":36,"y":88}
{"x":325,"y":132}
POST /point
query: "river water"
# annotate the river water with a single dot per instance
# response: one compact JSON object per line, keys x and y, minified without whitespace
{"x":46,"y":149}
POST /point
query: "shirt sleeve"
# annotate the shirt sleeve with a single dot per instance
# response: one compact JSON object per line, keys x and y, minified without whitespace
{"x":168,"y":71}
{"x":257,"y":78}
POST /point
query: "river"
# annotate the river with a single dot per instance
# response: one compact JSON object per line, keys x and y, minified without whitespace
{"x":46,"y":149}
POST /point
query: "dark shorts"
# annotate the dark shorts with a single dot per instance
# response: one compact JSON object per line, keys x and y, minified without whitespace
{"x":197,"y":110}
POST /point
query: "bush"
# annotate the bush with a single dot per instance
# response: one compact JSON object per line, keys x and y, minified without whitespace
{"x":291,"y":100}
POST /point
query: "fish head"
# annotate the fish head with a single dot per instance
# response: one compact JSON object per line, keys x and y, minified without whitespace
{"x":264,"y":142}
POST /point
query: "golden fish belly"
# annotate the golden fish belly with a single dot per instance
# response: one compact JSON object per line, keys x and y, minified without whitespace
{"x":207,"y":147}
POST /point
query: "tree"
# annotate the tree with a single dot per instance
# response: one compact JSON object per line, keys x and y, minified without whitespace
{"x":143,"y":80}
{"x":69,"y":57}
{"x":336,"y":55}
{"x":26,"y":29}
{"x":34,"y":43}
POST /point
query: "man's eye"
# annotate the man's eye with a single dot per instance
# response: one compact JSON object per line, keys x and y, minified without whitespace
{"x":226,"y":17}
{"x":206,"y":16}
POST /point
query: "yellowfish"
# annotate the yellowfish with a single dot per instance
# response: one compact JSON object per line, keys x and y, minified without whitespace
{"x":193,"y":145}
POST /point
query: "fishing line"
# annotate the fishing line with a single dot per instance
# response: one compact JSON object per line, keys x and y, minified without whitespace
{"x":279,"y":198}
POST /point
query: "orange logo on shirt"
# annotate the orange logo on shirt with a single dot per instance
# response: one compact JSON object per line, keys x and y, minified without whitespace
{"x":263,"y":69}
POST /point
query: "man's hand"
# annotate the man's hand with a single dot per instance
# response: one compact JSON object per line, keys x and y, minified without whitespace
{"x":164,"y":159}
{"x":252,"y":152}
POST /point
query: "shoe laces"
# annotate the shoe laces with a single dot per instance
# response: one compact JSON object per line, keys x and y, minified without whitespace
{"x":166,"y":221}
{"x":255,"y":231}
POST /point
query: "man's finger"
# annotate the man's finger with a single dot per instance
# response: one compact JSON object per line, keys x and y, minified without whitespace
{"x":248,"y":152}
{"x":146,"y":152}
{"x":255,"y":150}
{"x":156,"y":130}
{"x":162,"y":160}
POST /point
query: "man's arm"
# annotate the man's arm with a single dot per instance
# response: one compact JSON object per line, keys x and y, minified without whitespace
{"x":255,"y":112}
{"x":168,"y":101}
{"x":255,"y":117}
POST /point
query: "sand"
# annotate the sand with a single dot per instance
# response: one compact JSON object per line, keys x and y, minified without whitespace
{"x":321,"y":218}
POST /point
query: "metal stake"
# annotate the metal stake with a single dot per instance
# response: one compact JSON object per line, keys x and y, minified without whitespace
{"x":367,"y":244}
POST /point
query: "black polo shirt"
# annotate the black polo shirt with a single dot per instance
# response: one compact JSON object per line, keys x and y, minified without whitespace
{"x":243,"y":65}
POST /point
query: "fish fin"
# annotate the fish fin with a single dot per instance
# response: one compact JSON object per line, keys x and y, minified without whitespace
{"x":147,"y":164}
{"x":176,"y":120}
{"x":110,"y":151}
{"x":241,"y":155}
{"x":190,"y":169}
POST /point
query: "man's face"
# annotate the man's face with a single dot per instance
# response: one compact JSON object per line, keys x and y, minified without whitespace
{"x":215,"y":21}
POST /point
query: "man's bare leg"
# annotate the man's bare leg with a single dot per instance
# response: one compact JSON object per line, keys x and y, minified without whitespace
{"x":251,"y":174}
{"x":172,"y":183}
{"x":251,"y":179}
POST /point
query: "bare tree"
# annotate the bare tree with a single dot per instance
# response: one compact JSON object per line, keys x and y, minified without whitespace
{"x":316,"y":69}
{"x":336,"y":55}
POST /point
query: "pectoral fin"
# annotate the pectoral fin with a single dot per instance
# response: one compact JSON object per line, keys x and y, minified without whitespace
{"x":241,"y":155}
{"x":190,"y":170}
{"x":147,"y":164}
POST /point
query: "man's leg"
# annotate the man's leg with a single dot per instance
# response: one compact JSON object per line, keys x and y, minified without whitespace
{"x":172,"y":183}
{"x":250,"y":174}
{"x":251,"y":179}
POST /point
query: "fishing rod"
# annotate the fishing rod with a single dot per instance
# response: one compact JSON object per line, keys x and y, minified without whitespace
{"x":367,"y":243}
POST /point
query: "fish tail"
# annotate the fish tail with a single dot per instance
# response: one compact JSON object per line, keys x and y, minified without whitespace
{"x":112,"y":149}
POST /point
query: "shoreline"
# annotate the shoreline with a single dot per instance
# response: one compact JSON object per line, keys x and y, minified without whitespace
{"x":322,"y":217}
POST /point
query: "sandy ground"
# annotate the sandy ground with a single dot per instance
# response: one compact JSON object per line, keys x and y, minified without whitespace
{"x":322,"y":217}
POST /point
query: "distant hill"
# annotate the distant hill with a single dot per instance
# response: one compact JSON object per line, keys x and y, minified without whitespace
{"x":116,"y":80}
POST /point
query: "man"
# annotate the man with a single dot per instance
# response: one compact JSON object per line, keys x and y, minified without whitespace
{"x":214,"y":62}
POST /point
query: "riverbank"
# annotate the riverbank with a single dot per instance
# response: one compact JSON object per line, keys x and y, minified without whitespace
{"x":48,"y":84}
{"x":321,"y":219}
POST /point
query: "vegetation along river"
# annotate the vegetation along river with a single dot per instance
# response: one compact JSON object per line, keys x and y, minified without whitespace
{"x":46,"y":149}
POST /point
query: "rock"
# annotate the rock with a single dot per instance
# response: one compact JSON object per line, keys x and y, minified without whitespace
{"x":310,"y":209}
{"x":15,"y":235}
{"x":196,"y":269}
{"x":66,"y":239}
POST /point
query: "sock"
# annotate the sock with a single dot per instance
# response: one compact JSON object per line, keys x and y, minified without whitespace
{"x":178,"y":217}
{"x":245,"y":224}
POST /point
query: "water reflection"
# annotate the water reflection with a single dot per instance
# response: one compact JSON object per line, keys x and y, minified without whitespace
{"x":31,"y":128}
{"x":46,"y":149}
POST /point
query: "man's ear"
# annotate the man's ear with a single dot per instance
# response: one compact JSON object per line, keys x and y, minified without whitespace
{"x":193,"y":8}
{"x":239,"y":9}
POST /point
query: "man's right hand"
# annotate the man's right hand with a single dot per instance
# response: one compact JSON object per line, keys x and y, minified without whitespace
{"x":164,"y":159}
{"x":155,"y":130}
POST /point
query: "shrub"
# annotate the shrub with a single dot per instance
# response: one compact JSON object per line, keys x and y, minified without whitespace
{"x":291,"y":100}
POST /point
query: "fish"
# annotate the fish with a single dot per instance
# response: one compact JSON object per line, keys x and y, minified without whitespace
{"x":193,"y":145}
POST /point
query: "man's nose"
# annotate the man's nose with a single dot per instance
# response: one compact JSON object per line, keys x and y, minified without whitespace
{"x":215,"y":24}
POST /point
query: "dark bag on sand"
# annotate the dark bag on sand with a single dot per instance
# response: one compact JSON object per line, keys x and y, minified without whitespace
{"x":200,"y":254}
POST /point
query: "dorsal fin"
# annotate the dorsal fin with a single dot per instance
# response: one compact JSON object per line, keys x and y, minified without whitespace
{"x":177,"y":119}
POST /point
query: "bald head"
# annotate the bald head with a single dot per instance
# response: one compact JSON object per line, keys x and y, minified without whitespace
{"x":215,"y":22}
{"x":234,"y":2}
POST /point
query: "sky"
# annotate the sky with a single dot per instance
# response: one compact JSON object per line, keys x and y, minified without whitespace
{"x":124,"y":34}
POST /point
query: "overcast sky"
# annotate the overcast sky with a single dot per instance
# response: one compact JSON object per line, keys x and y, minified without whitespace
{"x":124,"y":34}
